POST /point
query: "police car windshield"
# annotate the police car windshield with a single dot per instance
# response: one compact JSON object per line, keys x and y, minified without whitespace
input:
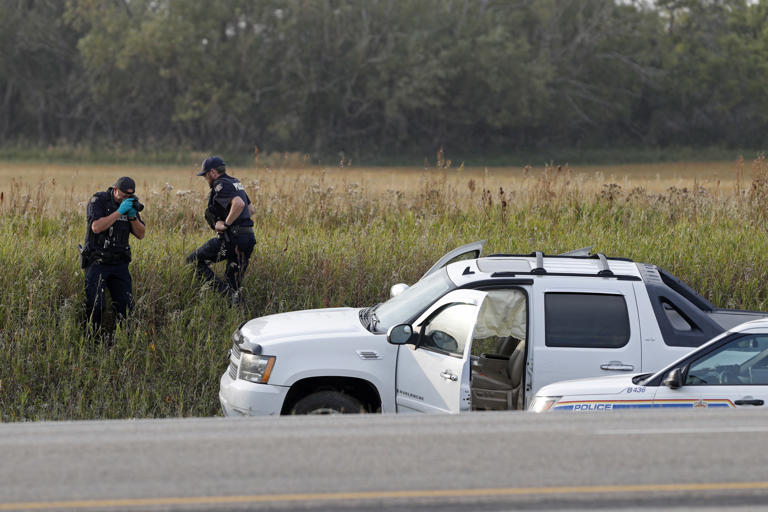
{"x":414,"y":300}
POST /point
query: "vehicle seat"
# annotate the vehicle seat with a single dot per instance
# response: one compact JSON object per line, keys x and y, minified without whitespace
{"x":516,"y":371}
{"x":506,"y":345}
{"x":729,"y":374}
{"x":497,"y":378}
{"x":758,"y":376}
{"x":490,"y":383}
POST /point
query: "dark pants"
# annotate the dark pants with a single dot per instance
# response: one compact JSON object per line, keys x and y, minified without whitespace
{"x":114,"y":277}
{"x":237,"y":254}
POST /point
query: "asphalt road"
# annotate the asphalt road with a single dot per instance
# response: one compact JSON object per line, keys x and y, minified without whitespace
{"x":643,"y":460}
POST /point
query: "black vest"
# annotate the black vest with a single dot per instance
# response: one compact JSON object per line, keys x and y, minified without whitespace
{"x":111,"y":245}
{"x":224,"y":189}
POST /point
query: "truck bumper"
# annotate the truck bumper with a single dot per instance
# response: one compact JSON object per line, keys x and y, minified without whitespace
{"x":243,"y":398}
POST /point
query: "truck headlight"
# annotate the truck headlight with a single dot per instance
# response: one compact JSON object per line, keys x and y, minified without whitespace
{"x":543,"y":403}
{"x":254,"y":368}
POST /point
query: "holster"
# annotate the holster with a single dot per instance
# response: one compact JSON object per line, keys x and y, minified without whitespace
{"x":210,"y":218}
{"x":227,"y":245}
{"x":85,"y":255}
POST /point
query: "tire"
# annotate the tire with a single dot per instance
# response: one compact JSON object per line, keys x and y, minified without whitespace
{"x":328,"y":402}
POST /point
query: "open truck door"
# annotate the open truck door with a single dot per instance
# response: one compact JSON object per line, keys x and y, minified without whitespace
{"x":433,"y":367}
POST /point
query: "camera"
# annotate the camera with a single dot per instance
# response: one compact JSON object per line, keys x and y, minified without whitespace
{"x":136,"y":204}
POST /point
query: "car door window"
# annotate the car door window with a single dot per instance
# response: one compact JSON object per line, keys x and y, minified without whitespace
{"x":449,"y":330}
{"x":586,"y":320}
{"x":741,"y":362}
{"x":675,"y":318}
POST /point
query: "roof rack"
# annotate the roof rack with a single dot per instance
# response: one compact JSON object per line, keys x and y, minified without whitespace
{"x":576,"y":253}
{"x":582,"y":253}
{"x":605,"y":270}
{"x":539,"y":263}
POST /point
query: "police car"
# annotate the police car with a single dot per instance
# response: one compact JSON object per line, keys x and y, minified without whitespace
{"x":729,"y":371}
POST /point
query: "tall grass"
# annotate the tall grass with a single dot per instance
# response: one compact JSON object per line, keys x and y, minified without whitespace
{"x":322,"y":243}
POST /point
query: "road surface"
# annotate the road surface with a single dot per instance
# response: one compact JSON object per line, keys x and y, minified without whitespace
{"x":633,"y":460}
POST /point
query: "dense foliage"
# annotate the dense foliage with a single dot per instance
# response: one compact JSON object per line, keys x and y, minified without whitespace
{"x":383,"y":76}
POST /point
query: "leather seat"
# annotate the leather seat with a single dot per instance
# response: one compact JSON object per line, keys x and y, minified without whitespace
{"x":516,"y":370}
{"x":497,"y":379}
{"x":506,"y":345}
{"x":758,"y":376}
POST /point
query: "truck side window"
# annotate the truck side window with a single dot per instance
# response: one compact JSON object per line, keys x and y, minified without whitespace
{"x":676,"y":319}
{"x":586,"y":320}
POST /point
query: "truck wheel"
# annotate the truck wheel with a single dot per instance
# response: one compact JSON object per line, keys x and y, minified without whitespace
{"x":328,"y":402}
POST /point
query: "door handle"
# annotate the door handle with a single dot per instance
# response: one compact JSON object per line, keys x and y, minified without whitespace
{"x":750,"y":401}
{"x":617,"y":366}
{"x":448,"y":375}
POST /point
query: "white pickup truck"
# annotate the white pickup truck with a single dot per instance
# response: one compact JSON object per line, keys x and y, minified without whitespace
{"x":474,"y":333}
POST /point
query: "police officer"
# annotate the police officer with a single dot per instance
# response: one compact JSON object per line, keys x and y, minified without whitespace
{"x":229,"y":214}
{"x":112,"y":217}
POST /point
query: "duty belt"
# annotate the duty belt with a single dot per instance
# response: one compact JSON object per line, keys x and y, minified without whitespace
{"x":242,"y":230}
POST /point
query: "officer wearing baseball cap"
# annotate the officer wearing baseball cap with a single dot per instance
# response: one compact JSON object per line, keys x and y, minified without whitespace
{"x":112,"y":216}
{"x":213,"y":162}
{"x":229,"y":215}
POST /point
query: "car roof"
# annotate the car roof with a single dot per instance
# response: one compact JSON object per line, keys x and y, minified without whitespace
{"x":752,"y":325}
{"x":496,"y":266}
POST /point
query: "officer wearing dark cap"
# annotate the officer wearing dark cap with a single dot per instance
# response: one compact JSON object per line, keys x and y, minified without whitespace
{"x":229,"y":214}
{"x":113,"y":216}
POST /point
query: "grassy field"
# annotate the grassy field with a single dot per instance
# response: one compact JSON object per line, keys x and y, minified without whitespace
{"x":327,"y":237}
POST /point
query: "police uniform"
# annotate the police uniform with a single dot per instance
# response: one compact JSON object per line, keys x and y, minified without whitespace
{"x":105,"y":258}
{"x":234,"y":245}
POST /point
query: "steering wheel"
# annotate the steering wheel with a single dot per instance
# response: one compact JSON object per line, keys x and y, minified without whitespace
{"x":728,"y":375}
{"x":694,"y":379}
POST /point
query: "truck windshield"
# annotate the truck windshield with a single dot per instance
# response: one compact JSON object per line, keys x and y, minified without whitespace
{"x":412,"y":301}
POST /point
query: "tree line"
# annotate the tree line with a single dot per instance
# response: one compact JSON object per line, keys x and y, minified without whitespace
{"x":381,"y":77}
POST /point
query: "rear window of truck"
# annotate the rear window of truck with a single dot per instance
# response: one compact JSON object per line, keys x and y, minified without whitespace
{"x":586,"y":320}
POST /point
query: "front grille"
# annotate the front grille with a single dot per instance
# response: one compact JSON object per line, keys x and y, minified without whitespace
{"x":233,"y":370}
{"x":236,"y":351}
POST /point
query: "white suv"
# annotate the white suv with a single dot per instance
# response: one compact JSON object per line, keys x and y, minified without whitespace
{"x":474,"y":333}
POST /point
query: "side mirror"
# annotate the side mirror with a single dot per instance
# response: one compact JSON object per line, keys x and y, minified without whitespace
{"x":397,"y":289}
{"x":400,"y":334}
{"x":674,"y":379}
